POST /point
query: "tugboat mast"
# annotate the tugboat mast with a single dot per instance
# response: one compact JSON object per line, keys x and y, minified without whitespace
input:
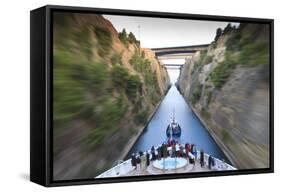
{"x":173,"y":118}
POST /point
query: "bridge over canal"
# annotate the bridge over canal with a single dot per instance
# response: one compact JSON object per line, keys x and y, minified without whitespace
{"x":177,"y":53}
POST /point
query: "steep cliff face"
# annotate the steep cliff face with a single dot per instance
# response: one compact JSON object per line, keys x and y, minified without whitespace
{"x":104,"y":91}
{"x":228,"y":87}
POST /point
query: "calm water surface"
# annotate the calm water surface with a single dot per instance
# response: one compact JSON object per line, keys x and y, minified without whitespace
{"x":193,"y":130}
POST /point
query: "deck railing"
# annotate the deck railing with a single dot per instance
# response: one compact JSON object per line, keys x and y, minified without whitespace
{"x":122,"y":169}
{"x":219,"y":165}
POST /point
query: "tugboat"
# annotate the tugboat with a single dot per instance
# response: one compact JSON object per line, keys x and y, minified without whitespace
{"x":173,"y":129}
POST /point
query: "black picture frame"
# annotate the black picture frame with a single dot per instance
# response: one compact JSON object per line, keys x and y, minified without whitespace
{"x":41,"y":55}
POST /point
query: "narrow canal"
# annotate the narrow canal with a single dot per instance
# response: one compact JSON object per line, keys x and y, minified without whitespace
{"x":193,"y":131}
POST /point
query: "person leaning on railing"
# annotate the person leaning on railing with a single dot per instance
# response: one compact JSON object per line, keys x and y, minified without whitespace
{"x":159,"y":151}
{"x":182,"y":151}
{"x":202,"y":158}
{"x":153,"y":158}
{"x":143,"y":161}
{"x":147,"y":158}
{"x":174,"y":150}
{"x":134,"y":161}
{"x":165,"y":150}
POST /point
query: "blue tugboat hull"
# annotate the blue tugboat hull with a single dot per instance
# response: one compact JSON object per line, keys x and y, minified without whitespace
{"x":176,"y":132}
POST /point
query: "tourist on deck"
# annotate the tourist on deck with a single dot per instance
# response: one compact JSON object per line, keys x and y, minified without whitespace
{"x":210,"y":162}
{"x":174,"y":150}
{"x":170,"y":152}
{"x":188,"y":147}
{"x":165,"y":150}
{"x":194,"y":151}
{"x":134,"y":160}
{"x":162,"y":150}
{"x":185,"y":155}
{"x":192,"y":148}
{"x":213,"y":162}
{"x":182,"y":151}
{"x":177,"y":150}
{"x":159,"y":151}
{"x":191,"y":159}
{"x":202,"y":158}
{"x":138,"y":161}
{"x":153,"y":158}
{"x":143,"y":161}
{"x":147,"y":159}
{"x":140,"y":154}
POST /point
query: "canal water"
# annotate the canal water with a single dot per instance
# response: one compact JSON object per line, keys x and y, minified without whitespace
{"x":193,"y":131}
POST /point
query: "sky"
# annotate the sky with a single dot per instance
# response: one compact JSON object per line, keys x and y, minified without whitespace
{"x":163,"y":32}
{"x":173,"y":74}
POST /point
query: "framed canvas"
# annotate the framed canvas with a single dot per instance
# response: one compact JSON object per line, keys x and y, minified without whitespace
{"x":123,"y":95}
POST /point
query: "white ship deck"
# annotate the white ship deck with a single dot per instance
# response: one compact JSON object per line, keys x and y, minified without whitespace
{"x":151,"y":170}
{"x":126,"y":169}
